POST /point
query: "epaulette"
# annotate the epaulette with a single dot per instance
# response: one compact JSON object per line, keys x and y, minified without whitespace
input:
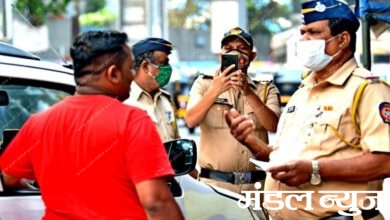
{"x":373,"y":79}
{"x":264,"y":82}
{"x":204,"y":76}
{"x":366,"y":75}
{"x":166,"y":94}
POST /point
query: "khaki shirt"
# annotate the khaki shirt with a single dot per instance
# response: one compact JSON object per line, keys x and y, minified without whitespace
{"x":305,"y":132}
{"x":160,"y":108}
{"x":218,"y":149}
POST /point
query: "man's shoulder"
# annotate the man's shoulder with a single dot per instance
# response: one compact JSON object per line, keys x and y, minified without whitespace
{"x":205,"y":76}
{"x":263,"y":82}
{"x":165,"y":94}
{"x":361,"y":74}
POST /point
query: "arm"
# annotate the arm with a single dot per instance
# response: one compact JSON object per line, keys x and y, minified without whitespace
{"x":266,"y":117}
{"x":156,"y":199}
{"x":370,"y":166}
{"x":16,"y":173}
{"x":195,"y":113}
{"x":241,"y":127}
{"x":16,"y":183}
{"x":363,"y":168}
{"x":148,"y":171}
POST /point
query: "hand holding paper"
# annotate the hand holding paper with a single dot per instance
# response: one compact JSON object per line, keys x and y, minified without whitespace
{"x":260,"y":165}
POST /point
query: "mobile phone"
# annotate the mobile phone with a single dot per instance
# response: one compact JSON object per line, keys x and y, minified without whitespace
{"x":227,"y":60}
{"x":8,"y":135}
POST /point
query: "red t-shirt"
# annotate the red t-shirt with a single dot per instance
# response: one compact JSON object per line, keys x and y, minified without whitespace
{"x":87,"y":154}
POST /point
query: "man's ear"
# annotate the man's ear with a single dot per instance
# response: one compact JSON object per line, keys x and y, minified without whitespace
{"x":219,"y":55}
{"x":345,"y":39}
{"x":253,"y":56}
{"x":144,"y":65}
{"x":113,"y":74}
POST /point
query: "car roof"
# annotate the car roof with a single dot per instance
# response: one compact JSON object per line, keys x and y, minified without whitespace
{"x":9,"y":50}
{"x":19,"y":64}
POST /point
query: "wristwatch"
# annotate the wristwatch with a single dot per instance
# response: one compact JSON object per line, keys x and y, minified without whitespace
{"x":315,"y":173}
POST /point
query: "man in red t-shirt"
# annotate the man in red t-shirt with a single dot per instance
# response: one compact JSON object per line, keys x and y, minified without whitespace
{"x":89,"y":153}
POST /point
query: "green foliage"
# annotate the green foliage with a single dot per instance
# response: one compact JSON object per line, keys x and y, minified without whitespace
{"x":94,"y":5}
{"x":262,"y":18}
{"x":193,"y":15}
{"x":36,"y":11}
{"x":58,"y":7}
{"x":263,"y":15}
{"x":102,"y":17}
{"x":178,"y":16}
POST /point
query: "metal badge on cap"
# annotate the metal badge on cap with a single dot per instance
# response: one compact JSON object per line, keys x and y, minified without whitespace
{"x":320,"y":7}
{"x":236,"y":31}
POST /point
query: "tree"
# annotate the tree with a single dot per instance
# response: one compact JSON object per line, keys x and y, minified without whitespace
{"x":192,"y":14}
{"x":267,"y":18}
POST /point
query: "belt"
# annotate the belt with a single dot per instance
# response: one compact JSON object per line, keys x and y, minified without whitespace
{"x":366,"y":214}
{"x":233,"y":177}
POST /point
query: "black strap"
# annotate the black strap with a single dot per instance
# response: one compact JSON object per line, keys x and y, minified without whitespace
{"x":366,"y":214}
{"x":217,"y":175}
{"x":230,"y":177}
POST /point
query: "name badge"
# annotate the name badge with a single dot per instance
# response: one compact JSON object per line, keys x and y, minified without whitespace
{"x":221,"y":101}
{"x":291,"y":109}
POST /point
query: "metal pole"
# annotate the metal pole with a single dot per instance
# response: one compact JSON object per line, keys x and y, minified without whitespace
{"x":366,"y":22}
{"x":4,"y":19}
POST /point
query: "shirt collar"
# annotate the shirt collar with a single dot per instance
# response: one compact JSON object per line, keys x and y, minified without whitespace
{"x":337,"y":78}
{"x":136,"y":92}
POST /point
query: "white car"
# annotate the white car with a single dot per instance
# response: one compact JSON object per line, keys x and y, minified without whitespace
{"x":29,"y":85}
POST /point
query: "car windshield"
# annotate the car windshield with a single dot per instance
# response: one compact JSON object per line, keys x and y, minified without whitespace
{"x":23,"y":102}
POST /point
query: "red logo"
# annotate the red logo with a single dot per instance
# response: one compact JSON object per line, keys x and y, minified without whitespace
{"x":384,"y":111}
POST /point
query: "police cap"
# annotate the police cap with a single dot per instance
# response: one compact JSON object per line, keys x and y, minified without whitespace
{"x":152,"y":44}
{"x":317,"y":10}
{"x":240,"y":33}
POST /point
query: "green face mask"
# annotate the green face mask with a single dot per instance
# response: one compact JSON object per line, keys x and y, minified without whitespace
{"x":165,"y":74}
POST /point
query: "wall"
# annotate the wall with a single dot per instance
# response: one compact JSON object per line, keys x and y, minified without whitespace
{"x":191,"y":44}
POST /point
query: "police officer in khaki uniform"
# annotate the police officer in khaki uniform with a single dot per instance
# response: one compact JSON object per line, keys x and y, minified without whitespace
{"x":223,"y":160}
{"x":152,"y":73}
{"x":334,"y":133}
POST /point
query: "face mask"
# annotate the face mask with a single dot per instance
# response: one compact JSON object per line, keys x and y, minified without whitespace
{"x":241,"y":55}
{"x":165,"y":74}
{"x":312,"y":54}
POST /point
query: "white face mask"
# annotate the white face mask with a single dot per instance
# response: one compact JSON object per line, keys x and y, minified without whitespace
{"x":311,"y":53}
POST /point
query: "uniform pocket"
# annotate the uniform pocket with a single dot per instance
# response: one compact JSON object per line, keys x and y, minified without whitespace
{"x":215,"y":116}
{"x":325,"y":129}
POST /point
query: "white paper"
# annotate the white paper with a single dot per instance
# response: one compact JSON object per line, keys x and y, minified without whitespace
{"x":260,"y":165}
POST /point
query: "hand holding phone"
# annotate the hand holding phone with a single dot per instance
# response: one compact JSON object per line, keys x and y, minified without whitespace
{"x":227,"y":60}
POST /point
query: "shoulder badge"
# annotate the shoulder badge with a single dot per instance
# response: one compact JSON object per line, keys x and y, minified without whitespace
{"x":384,"y":111}
{"x":204,"y":76}
{"x":366,"y":75}
{"x":165,"y":93}
{"x":373,"y":79}
{"x":264,"y":82}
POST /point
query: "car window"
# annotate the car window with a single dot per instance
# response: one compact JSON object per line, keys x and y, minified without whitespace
{"x":24,"y":101}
